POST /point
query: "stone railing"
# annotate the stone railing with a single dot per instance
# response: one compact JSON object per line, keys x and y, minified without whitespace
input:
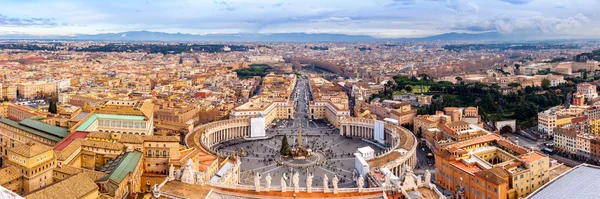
{"x":291,"y":189}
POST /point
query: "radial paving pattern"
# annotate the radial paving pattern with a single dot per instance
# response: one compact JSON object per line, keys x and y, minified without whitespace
{"x":317,"y":136}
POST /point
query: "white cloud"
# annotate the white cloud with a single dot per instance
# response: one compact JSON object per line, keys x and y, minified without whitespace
{"x":515,"y":24}
{"x":382,"y":18}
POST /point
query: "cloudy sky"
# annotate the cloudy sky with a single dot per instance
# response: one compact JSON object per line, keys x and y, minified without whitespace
{"x":378,"y":18}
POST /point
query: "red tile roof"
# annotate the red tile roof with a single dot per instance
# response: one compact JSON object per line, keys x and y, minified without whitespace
{"x":70,"y":138}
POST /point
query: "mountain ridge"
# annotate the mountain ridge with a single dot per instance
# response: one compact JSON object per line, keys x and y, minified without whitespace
{"x":144,"y":35}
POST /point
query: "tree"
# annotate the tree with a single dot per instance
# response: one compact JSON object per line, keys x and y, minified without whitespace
{"x":545,"y":83}
{"x":408,"y":126}
{"x":425,"y":76}
{"x":514,"y":84}
{"x":52,"y":108}
{"x":495,"y":86}
{"x":285,"y":146}
{"x":529,"y":89}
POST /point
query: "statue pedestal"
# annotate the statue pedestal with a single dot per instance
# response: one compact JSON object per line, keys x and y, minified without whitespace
{"x":299,"y":158}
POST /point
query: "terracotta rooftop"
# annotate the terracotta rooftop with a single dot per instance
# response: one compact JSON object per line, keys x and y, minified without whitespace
{"x":102,"y":144}
{"x":76,"y":186}
{"x":68,"y":150}
{"x":71,"y":170}
{"x":9,"y":174}
{"x":157,"y":138}
{"x":30,"y":149}
{"x":494,"y":175}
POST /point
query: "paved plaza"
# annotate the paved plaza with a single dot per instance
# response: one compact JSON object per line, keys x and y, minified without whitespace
{"x":317,"y":135}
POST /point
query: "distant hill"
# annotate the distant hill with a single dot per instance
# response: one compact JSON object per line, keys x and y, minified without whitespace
{"x":277,"y":37}
{"x":161,"y":36}
{"x":465,"y":37}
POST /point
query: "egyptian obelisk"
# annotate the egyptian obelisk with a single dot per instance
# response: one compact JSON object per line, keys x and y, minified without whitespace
{"x":299,"y":136}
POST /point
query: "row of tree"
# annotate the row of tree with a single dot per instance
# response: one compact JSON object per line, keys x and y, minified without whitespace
{"x":522,"y":105}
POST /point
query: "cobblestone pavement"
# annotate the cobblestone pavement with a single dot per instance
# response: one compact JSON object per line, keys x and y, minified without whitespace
{"x":317,"y":135}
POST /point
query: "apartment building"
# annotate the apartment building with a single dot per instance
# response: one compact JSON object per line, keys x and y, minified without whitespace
{"x":329,"y":101}
{"x":13,"y":134}
{"x":490,"y":167}
{"x":566,"y":139}
{"x":35,"y":162}
{"x":33,"y":89}
{"x":9,"y":92}
{"x":179,"y":114}
{"x":588,"y":90}
{"x":275,"y":101}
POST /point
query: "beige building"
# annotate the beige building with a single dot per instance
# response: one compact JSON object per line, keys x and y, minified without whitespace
{"x":329,"y":101}
{"x":274,"y":102}
{"x":33,"y":89}
{"x":124,"y":179}
{"x":566,"y":139}
{"x":12,"y":179}
{"x":158,"y":151}
{"x":181,"y":114}
{"x":9,"y":92}
{"x":35,"y":162}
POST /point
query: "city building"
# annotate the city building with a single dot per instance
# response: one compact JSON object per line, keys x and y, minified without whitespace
{"x":35,"y":162}
{"x":275,"y":100}
{"x":588,"y":90}
{"x":329,"y":101}
{"x":490,"y":167}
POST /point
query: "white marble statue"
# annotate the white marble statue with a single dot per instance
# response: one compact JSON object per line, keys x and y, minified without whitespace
{"x":187,"y":175}
{"x":199,"y":178}
{"x":419,"y":181}
{"x":171,"y":172}
{"x":283,"y":183}
{"x":409,"y":180}
{"x":387,"y":180}
{"x":257,"y":182}
{"x":309,"y":179}
{"x":268,"y":180}
{"x":335,"y":181}
{"x":325,"y":183}
{"x":156,"y":190}
{"x":178,"y":174}
{"x":361,"y":183}
{"x":235,"y":177}
{"x":296,"y":180}
{"x":427,"y":177}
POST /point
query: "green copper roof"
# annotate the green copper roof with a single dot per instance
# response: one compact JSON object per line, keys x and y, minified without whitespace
{"x":94,"y":117}
{"x":126,"y":166}
{"x":30,"y":130}
{"x":41,"y":126}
